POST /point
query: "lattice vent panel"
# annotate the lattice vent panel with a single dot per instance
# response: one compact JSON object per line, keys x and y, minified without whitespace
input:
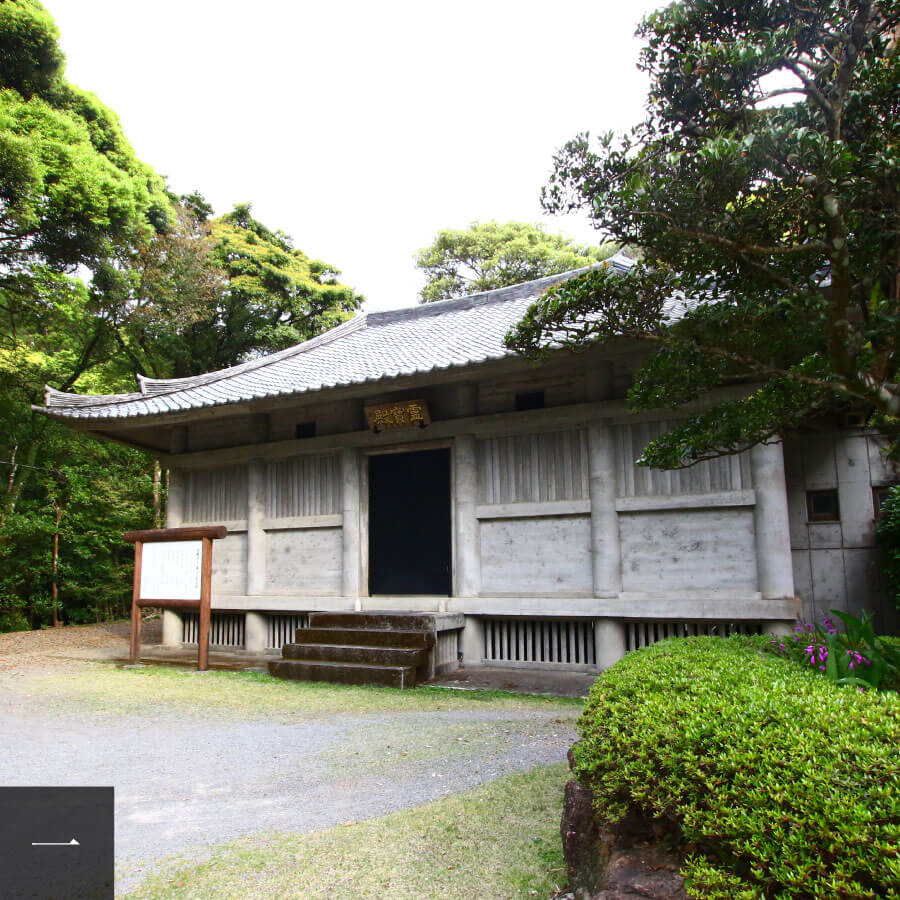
{"x":565,"y":641}
{"x":282,"y":628}
{"x":225,"y":629}
{"x":643,"y":633}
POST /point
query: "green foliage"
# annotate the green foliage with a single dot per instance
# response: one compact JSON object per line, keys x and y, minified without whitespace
{"x":211,"y":294}
{"x":491,"y":255}
{"x":762,"y":187}
{"x":777,"y":782}
{"x":887,"y":530}
{"x":104,"y":275}
{"x":277,"y":296}
{"x":30,"y":59}
{"x":103,"y":490}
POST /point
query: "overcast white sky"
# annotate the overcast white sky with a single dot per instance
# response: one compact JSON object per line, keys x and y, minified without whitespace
{"x":361,"y":128}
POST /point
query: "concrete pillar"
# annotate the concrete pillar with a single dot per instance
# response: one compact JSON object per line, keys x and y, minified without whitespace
{"x":609,"y":641}
{"x":171,"y":628}
{"x":175,"y":503}
{"x":466,"y":399}
{"x":778,"y":627}
{"x":775,"y":571}
{"x":472,"y":641}
{"x":468,"y":549}
{"x":256,"y":537}
{"x":255,"y":628}
{"x":175,"y":499}
{"x":606,"y":553}
{"x":350,"y":582}
{"x":178,"y":439}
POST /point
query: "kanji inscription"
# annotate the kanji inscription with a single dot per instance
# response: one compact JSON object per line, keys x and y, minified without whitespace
{"x":403,"y":414}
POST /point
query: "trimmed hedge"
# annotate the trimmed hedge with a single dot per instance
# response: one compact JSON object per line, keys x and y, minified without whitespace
{"x":777,"y":782}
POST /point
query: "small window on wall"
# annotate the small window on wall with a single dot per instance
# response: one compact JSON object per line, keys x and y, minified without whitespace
{"x":822,"y":506}
{"x":305,"y":430}
{"x":530,"y":400}
{"x":879,"y":498}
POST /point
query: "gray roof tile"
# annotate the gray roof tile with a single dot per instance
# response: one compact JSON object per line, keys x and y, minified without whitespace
{"x":370,"y":347}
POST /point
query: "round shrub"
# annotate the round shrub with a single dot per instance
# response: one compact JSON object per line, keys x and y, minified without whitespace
{"x":775,"y":782}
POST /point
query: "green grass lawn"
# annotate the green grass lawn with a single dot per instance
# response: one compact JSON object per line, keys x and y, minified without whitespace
{"x":110,"y":689}
{"x":500,"y":840}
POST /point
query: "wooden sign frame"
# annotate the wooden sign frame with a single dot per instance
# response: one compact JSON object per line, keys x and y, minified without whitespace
{"x":206,"y":534}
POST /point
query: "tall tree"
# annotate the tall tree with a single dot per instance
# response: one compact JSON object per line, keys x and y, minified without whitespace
{"x":104,"y":275}
{"x":276,"y":295}
{"x":210,"y":294}
{"x":73,"y":197}
{"x":763,"y":187}
{"x":493,"y":255}
{"x":76,"y":205}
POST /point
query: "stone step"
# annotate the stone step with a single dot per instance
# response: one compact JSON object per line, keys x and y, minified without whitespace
{"x":343,"y":673}
{"x":373,"y":656}
{"x":362,"y":638}
{"x":382,"y":620}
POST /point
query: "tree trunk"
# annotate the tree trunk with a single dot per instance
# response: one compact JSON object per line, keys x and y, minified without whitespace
{"x":54,"y":589}
{"x":157,"y":494}
{"x":12,"y":468}
{"x":17,"y":481}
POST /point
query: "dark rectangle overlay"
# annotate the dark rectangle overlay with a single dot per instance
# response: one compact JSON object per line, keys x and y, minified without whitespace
{"x":56,"y":843}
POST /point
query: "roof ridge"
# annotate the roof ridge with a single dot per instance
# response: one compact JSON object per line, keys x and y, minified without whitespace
{"x":155,"y":387}
{"x":426,"y":338}
{"x":52,"y":396}
{"x":470,"y":301}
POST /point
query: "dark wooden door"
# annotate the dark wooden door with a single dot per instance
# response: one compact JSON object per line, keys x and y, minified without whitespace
{"x":409,"y":523}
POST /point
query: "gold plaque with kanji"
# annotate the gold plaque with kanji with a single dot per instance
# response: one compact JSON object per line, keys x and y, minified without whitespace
{"x":403,"y":414}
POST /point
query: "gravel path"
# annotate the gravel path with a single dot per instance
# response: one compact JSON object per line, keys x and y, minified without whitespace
{"x":186,"y":781}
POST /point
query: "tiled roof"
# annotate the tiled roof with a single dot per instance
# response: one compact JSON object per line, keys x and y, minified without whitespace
{"x":370,"y":347}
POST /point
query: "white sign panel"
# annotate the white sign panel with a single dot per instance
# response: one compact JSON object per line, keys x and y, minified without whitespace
{"x":170,"y":570}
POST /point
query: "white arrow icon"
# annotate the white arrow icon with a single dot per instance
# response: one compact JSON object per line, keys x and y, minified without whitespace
{"x":72,"y":843}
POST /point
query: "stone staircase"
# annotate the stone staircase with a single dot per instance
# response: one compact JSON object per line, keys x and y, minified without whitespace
{"x":386,"y":648}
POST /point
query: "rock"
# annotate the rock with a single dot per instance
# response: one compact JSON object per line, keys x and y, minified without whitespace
{"x":615,"y":861}
{"x":584,"y":851}
{"x":648,"y":871}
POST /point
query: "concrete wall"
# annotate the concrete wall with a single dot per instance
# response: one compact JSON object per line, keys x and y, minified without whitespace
{"x":688,"y":549}
{"x":536,"y":555}
{"x":534,"y":515}
{"x":727,"y":473}
{"x":836,"y":563}
{"x":552,"y":522}
{"x":533,"y":468}
{"x":216,"y":495}
{"x":304,"y":562}
{"x":303,"y":486}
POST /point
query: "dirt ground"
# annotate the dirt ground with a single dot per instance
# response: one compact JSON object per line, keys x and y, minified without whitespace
{"x":22,"y":649}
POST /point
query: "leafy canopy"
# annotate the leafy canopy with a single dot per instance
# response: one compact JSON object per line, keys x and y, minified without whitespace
{"x":493,"y":255}
{"x":763,"y":185}
{"x":212,"y":293}
{"x":104,"y":275}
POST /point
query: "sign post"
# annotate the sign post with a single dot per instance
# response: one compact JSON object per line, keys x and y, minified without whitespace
{"x":173,"y":570}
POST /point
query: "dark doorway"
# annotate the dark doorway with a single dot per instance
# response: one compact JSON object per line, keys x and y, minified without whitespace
{"x":409,"y":523}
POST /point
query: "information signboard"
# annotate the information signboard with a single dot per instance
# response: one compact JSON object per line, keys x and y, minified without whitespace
{"x":171,"y":571}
